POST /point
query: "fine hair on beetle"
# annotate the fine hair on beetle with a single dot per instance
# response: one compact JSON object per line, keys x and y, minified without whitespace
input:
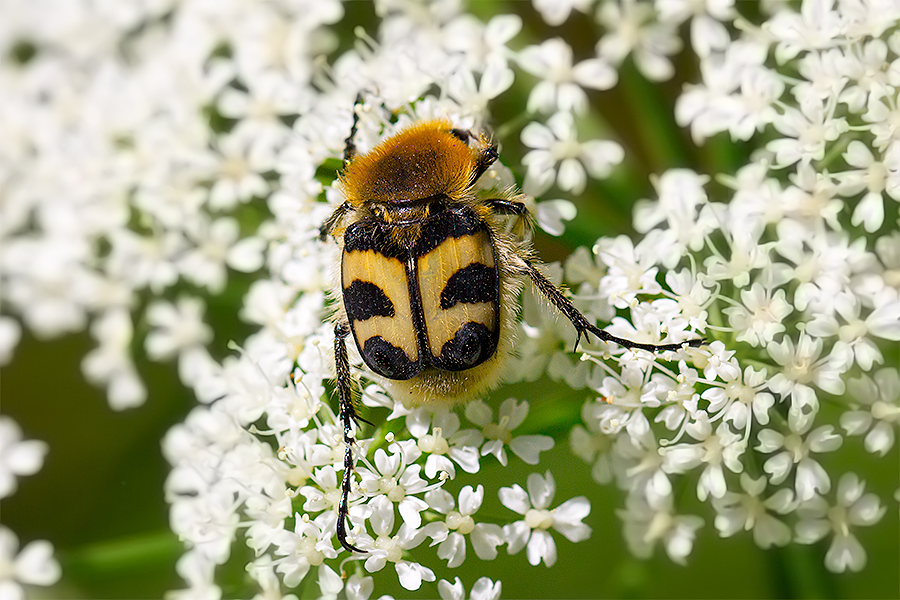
{"x":430,"y":275}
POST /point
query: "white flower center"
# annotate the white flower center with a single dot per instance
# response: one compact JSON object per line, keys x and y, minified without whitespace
{"x":793,"y":443}
{"x":394,"y":491}
{"x":800,"y":370}
{"x":235,"y":168}
{"x":853,"y":331}
{"x":498,"y":431}
{"x":876,"y":177}
{"x":564,"y":149}
{"x":307,"y":548}
{"x":539,"y":518}
{"x":296,"y":477}
{"x":394,"y":551}
{"x":838,"y":516}
{"x":461,"y":523}
{"x":885,"y":412}
{"x":712,"y":450}
{"x":434,"y":443}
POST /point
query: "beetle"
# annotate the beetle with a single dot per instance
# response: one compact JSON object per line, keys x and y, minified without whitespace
{"x":429,"y":276}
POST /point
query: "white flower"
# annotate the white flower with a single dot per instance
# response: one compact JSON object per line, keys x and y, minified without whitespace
{"x":304,"y":547}
{"x":474,"y":97}
{"x":749,"y":510}
{"x":870,"y":176}
{"x":262,"y":570}
{"x":852,"y":509}
{"x":111,"y":364}
{"x":593,"y":445}
{"x":647,"y":522}
{"x":179,"y":330}
{"x":744,"y":399}
{"x":550,"y":215}
{"x":499,"y":435}
{"x":811,"y":478}
{"x":534,"y":505}
{"x":816,"y":26}
{"x":707,"y":32}
{"x":199,"y":573}
{"x":639,"y":462}
{"x":33,"y":565}
{"x":682,"y":203}
{"x":857,"y":337}
{"x":562,"y":83}
{"x":801,"y":368}
{"x":444,"y":442}
{"x":879,"y":396}
{"x":450,"y":533}
{"x":630,"y":271}
{"x":760,"y":317}
{"x":715,"y":449}
{"x":218,"y":243}
{"x":386,"y":548}
{"x":633,"y":27}
{"x":484,"y":589}
{"x":10,"y":333}
{"x":397,"y":479}
{"x":556,"y":12}
{"x":807,"y":130}
{"x":17,"y":457}
{"x":269,"y":96}
{"x":557,"y":144}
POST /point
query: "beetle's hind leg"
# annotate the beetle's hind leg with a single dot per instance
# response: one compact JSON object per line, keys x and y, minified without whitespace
{"x":349,"y":418}
{"x":582,"y":325}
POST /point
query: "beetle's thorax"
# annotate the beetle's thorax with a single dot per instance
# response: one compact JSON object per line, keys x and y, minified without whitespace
{"x":409,"y":214}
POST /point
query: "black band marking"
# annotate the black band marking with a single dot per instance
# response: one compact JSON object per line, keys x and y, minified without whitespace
{"x":364,"y":300}
{"x":371,"y":234}
{"x":470,"y":285}
{"x":473,"y":344}
{"x":388,"y":360}
{"x":451,"y":223}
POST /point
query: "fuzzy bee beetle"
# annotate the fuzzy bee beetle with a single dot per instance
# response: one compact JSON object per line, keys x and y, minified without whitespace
{"x":429,"y":277}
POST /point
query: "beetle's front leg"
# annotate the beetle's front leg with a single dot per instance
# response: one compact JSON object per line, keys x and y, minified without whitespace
{"x":348,"y":417}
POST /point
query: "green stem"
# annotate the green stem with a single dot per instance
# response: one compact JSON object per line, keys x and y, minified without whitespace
{"x":134,"y":553}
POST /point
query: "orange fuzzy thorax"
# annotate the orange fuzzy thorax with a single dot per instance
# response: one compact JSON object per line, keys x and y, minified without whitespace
{"x":420,"y":162}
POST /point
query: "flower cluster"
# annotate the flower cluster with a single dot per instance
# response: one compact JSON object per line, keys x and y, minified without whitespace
{"x":119,"y":184}
{"x":149,"y":158}
{"x":34,"y":564}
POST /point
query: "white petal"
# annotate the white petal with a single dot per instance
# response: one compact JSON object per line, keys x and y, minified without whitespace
{"x":36,"y":565}
{"x":529,"y":447}
{"x":515,"y":498}
{"x":485,"y":538}
{"x":845,"y":553}
{"x":541,"y":547}
{"x":541,"y":489}
{"x":449,"y":591}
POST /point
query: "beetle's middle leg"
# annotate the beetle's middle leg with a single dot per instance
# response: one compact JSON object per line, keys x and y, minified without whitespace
{"x":349,"y":418}
{"x":582,"y":325}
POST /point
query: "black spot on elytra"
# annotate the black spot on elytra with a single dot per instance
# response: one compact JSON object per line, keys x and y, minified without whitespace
{"x":364,"y":300}
{"x":473,"y":344}
{"x":472,"y":284}
{"x":388,"y":360}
